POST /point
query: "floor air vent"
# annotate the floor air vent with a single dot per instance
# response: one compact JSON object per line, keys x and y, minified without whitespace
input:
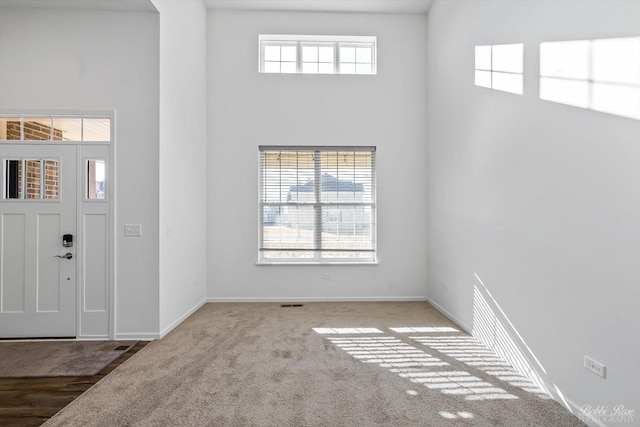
{"x":291,"y":305}
{"x":113,"y":347}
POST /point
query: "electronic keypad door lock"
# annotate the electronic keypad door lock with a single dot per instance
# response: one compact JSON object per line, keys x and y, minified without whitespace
{"x":67,"y":240}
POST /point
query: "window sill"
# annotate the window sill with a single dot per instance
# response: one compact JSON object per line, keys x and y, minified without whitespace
{"x":281,"y":263}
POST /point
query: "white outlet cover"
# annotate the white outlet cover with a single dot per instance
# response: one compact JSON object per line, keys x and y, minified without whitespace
{"x":596,"y":367}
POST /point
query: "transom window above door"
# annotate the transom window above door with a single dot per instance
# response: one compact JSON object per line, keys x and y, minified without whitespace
{"x":55,"y":128}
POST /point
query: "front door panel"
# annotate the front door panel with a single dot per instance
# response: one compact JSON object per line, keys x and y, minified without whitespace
{"x":37,"y":273}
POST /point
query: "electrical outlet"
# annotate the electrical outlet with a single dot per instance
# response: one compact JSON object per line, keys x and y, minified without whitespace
{"x":595,"y":367}
{"x":326,"y":276}
{"x":133,"y":230}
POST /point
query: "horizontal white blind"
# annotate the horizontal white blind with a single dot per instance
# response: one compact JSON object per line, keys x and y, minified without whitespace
{"x":317,"y":204}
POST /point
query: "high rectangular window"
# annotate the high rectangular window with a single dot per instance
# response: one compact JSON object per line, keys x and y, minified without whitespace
{"x":290,"y":54}
{"x":318,"y":58}
{"x":500,"y":67}
{"x":355,"y":58}
{"x":280,"y":57}
{"x":317,"y":204}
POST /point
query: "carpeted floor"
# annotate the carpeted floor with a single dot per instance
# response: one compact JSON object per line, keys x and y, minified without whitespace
{"x":58,"y":358}
{"x":323,"y":364}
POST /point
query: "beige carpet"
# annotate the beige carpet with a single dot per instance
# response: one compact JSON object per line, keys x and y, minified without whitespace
{"x":323,"y":364}
{"x":58,"y":358}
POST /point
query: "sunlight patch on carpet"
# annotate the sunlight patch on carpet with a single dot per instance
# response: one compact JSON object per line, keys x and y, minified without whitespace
{"x":421,"y":367}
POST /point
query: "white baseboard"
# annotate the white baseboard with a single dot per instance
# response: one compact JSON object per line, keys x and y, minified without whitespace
{"x":150,"y":336}
{"x":137,"y":336}
{"x":317,"y":299}
{"x":147,"y":336}
{"x":451,"y":317}
{"x":182,"y":318}
{"x":577,"y":411}
{"x":92,"y":338}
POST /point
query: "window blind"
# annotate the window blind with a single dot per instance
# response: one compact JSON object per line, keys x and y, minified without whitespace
{"x":317,"y":204}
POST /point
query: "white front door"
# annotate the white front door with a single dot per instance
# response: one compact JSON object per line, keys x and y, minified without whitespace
{"x":37,"y":208}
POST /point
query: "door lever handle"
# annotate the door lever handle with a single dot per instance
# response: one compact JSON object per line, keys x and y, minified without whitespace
{"x":68,"y":255}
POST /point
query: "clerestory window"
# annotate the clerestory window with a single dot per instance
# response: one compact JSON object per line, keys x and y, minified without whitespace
{"x":290,"y":54}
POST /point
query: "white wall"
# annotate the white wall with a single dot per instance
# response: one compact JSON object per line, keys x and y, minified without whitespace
{"x":540,"y":200}
{"x":247,"y":109}
{"x":183,"y":146}
{"x":89,"y":60}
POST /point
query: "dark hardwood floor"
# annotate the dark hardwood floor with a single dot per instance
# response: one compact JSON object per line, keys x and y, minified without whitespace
{"x":32,"y":401}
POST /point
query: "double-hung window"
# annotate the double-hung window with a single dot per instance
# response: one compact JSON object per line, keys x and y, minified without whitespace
{"x":317,"y":204}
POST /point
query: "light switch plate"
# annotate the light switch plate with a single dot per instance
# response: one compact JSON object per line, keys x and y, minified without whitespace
{"x":133,"y":229}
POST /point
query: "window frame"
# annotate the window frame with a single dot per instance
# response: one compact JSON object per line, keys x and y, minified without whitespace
{"x":280,"y":44}
{"x":20,"y":181}
{"x":316,"y":44}
{"x":356,"y":45}
{"x":84,"y":137}
{"x":301,"y":41}
{"x":319,"y":255}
